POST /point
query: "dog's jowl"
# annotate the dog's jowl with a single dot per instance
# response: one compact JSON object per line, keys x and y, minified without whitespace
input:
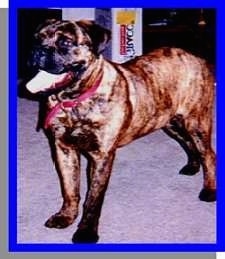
{"x":93,"y":106}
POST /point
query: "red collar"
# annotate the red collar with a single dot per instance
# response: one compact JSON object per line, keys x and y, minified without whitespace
{"x":69,"y":104}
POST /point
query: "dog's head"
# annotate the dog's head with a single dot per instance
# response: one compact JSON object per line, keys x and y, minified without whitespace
{"x":63,"y":51}
{"x":66,"y":45}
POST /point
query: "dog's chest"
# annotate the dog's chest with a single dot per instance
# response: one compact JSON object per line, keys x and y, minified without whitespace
{"x":84,"y":135}
{"x":82,"y":124}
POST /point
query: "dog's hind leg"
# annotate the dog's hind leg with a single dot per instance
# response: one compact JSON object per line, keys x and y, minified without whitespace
{"x":176,"y":130}
{"x":200,"y":129}
{"x":194,"y":135}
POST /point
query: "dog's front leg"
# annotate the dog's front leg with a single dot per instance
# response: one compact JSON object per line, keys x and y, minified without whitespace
{"x":99,"y":173}
{"x":67,"y":162}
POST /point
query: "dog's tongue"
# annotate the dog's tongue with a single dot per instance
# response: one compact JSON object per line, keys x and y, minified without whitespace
{"x":44,"y":81}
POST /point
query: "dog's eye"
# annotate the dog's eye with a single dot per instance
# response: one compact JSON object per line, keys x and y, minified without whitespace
{"x":65,"y":43}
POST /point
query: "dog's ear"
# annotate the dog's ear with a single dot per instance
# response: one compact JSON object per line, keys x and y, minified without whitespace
{"x":99,"y":35}
{"x":44,"y":25}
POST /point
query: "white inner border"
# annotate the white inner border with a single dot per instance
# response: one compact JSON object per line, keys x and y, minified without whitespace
{"x":220,"y":255}
{"x":4,"y":3}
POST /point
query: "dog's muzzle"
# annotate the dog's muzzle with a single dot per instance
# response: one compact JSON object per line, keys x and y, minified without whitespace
{"x":46,"y":58}
{"x":49,"y":60}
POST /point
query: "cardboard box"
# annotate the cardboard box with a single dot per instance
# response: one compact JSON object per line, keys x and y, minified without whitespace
{"x":126,"y":27}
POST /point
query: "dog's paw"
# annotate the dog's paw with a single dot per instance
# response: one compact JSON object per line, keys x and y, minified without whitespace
{"x":189,"y":169}
{"x":207,"y":195}
{"x":85,"y":236}
{"x":59,"y":221}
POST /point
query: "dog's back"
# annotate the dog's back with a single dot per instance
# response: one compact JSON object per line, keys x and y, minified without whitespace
{"x":165,"y":83}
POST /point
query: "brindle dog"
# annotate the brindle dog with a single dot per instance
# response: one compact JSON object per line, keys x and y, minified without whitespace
{"x":98,"y":106}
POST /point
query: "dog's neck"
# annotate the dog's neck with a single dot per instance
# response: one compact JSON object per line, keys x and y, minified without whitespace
{"x":90,"y":76}
{"x":90,"y":83}
{"x":84,"y":83}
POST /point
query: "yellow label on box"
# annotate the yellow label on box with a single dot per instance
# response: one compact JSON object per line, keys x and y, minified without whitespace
{"x":125,"y":17}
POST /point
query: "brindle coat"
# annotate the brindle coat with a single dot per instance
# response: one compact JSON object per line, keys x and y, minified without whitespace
{"x":167,"y":89}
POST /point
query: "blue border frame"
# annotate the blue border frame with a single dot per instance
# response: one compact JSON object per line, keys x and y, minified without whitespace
{"x":13,"y":245}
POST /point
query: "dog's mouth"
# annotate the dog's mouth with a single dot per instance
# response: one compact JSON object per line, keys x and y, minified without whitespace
{"x":44,"y":81}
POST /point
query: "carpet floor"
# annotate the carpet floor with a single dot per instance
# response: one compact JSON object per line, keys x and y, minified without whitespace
{"x":147,"y":201}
